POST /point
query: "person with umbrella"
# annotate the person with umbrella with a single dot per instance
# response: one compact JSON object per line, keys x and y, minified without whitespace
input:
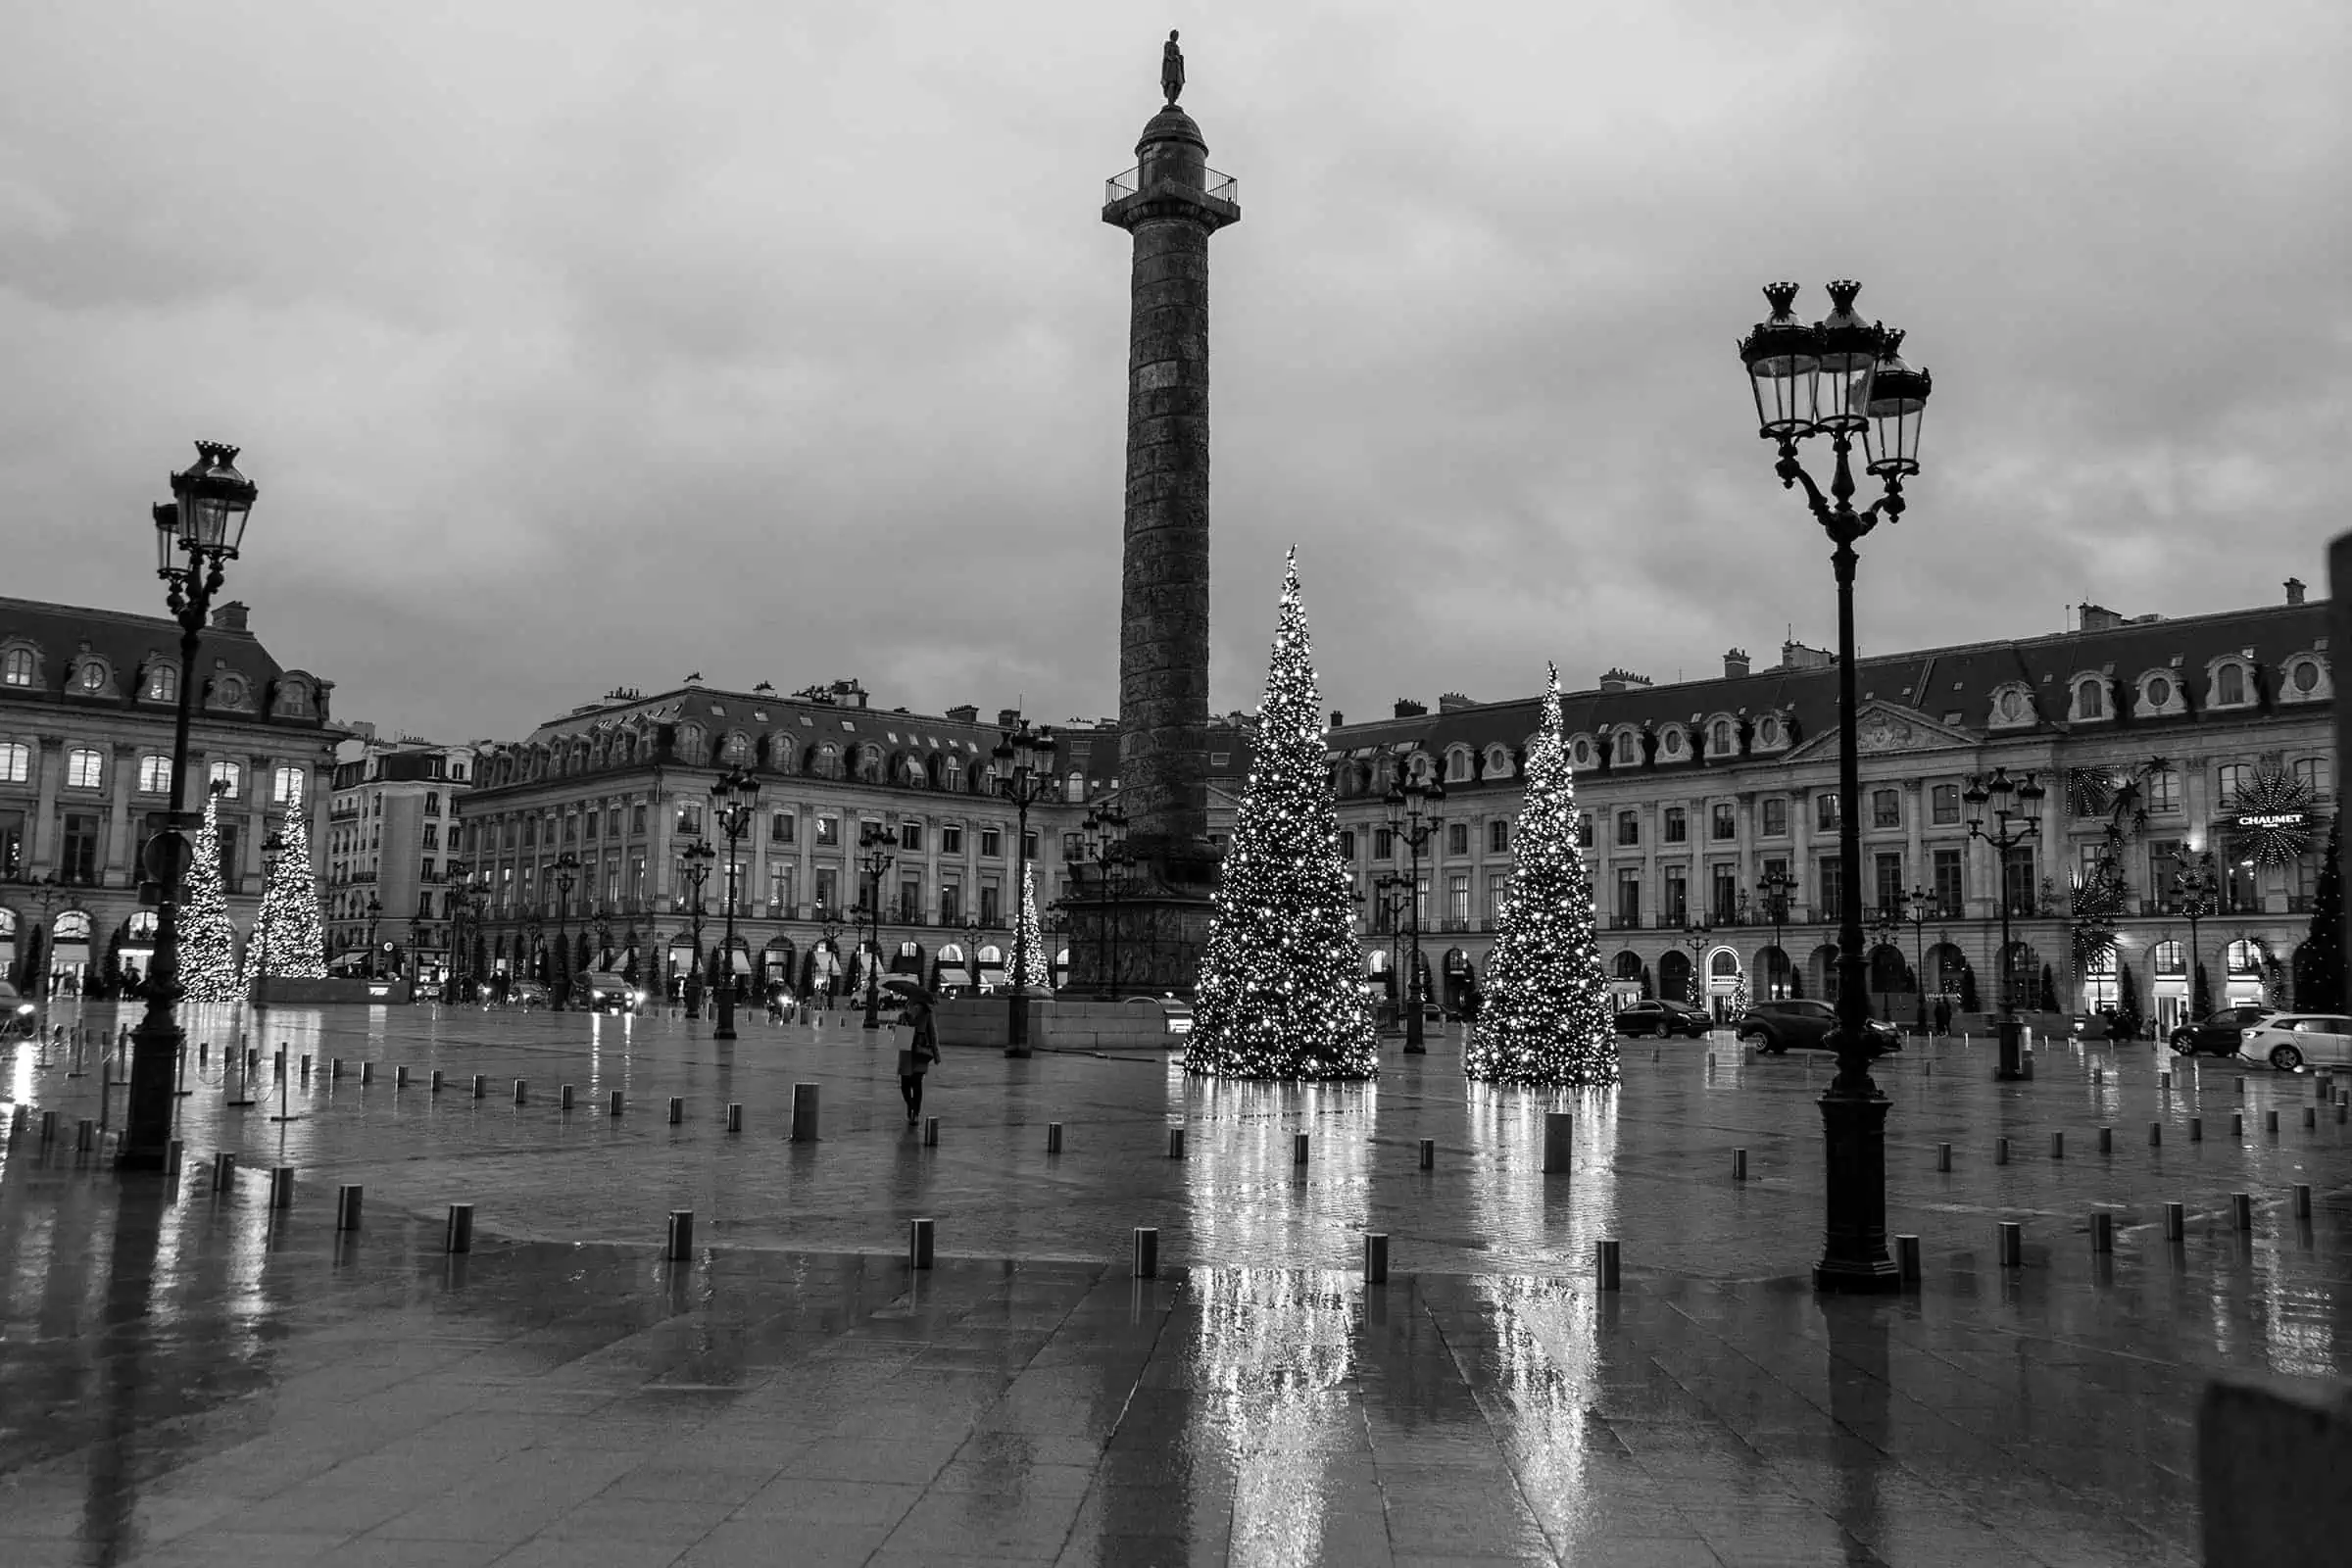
{"x":923,"y":1043}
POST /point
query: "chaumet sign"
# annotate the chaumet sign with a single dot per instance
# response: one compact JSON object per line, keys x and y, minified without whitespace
{"x":2271,"y":820}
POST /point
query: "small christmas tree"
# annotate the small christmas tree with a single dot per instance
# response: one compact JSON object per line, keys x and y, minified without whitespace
{"x":1970,"y":1001}
{"x":287,"y":937}
{"x":1279,"y":995}
{"x":2319,"y":966}
{"x":2047,"y":999}
{"x":1738,"y":994}
{"x":2200,"y":1003}
{"x":1545,"y":1018}
{"x":2127,"y":1019}
{"x":208,"y":941}
{"x":1035,"y":972}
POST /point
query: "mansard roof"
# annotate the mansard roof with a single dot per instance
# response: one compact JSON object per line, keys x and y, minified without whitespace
{"x":128,"y":643}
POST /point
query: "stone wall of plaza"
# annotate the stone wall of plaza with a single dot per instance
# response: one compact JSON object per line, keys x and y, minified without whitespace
{"x":624,"y":785}
{"x":87,"y":700}
{"x":1691,"y":792}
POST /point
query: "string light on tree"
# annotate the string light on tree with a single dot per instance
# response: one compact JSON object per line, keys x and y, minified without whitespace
{"x":1035,"y":976}
{"x":1545,"y":1017}
{"x":1278,"y":995}
{"x":297,"y":945}
{"x":207,"y":940}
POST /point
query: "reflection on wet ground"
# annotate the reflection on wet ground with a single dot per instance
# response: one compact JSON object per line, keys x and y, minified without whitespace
{"x":186,"y":1377}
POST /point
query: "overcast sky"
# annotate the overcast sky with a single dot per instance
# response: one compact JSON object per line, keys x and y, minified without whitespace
{"x":578,"y":344}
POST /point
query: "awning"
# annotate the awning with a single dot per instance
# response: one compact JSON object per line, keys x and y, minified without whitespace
{"x":955,"y":975}
{"x":743,"y":961}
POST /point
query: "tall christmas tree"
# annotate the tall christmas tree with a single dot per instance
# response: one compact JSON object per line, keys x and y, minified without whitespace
{"x":1546,"y":1016}
{"x":208,"y":941}
{"x":2320,"y":963}
{"x":1035,"y":972}
{"x":1279,"y":993}
{"x":287,"y":940}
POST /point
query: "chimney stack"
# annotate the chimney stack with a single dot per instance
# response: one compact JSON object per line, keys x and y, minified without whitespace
{"x":2294,"y":591}
{"x":231,"y":616}
{"x":1338,"y":718}
{"x":1407,"y":708}
{"x":1735,"y":663}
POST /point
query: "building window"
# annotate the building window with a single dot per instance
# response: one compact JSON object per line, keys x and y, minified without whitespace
{"x":1629,"y":749}
{"x":15,"y":762}
{"x":1346,"y":843}
{"x":1889,"y":871}
{"x":15,"y":668}
{"x":1723,"y":821}
{"x":2229,"y":686}
{"x":79,"y":861}
{"x":910,"y":836}
{"x":1457,"y":838}
{"x":690,"y":819}
{"x":1678,"y":825}
{"x":155,"y":776}
{"x":1951,"y":895}
{"x":1499,"y":836}
{"x":2316,"y":775}
{"x":2162,"y":790}
{"x":1825,"y":809}
{"x":1628,"y":897}
{"x":1584,"y":830}
{"x":1628,"y":828}
{"x":1833,"y":889}
{"x":228,"y":778}
{"x":162,"y":683}
{"x":286,"y":786}
{"x":2229,"y":778}
{"x":988,"y":911}
{"x":85,"y":769}
{"x":1384,"y":844}
{"x":1029,"y":844}
{"x":1776,"y":816}
{"x":779,"y":887}
{"x":951,"y":903}
{"x":2090,"y":702}
{"x":1886,"y":809}
{"x":991,"y":843}
{"x":2018,"y":880}
{"x":950,"y":839}
{"x":1721,"y":745}
{"x":828,"y":832}
{"x":780,"y":828}
{"x":1458,"y":903}
{"x":1676,"y":909}
{"x":1944,"y":805}
{"x":91,"y":677}
{"x":1723,"y":897}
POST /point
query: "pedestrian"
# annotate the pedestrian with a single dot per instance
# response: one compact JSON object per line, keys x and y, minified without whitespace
{"x":920,"y":1051}
{"x":1944,"y":1016}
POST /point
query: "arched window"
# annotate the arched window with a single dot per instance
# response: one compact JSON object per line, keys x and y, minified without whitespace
{"x":2229,"y":686}
{"x":1721,"y":743}
{"x":1457,"y":764}
{"x":285,"y":786}
{"x":2089,"y":701}
{"x":2245,"y":957}
{"x":1629,"y":749}
{"x":952,"y":774}
{"x":15,"y":668}
{"x":737,"y":749}
{"x":228,"y":778}
{"x":869,"y":764}
{"x":85,"y":769}
{"x":162,"y":683}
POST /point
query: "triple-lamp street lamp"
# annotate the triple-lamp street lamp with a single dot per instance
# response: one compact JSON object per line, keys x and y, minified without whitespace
{"x":1413,"y":817}
{"x":875,"y":859}
{"x":1023,"y":766}
{"x":1103,"y":845}
{"x":694,"y":868}
{"x":2197,"y":893}
{"x":1918,"y":909}
{"x":1698,"y":936}
{"x":2008,"y":800}
{"x":1843,"y":378}
{"x":567,"y":875}
{"x":375,"y":915}
{"x":734,"y":802}
{"x":1392,"y":892}
{"x":1774,"y":887}
{"x":204,"y":524}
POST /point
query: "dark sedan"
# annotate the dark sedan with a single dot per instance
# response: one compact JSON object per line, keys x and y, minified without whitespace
{"x":1802,"y":1025}
{"x":2217,"y":1034}
{"x":1663,"y":1019}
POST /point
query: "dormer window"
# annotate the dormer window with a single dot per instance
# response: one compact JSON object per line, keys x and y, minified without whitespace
{"x":162,"y":683}
{"x":2305,"y":681}
{"x":2091,"y":698}
{"x":15,"y":668}
{"x":2229,"y":686}
{"x":1720,"y":738}
{"x":1581,"y":752}
{"x":1629,"y":750}
{"x":1672,"y":744}
{"x":90,"y":676}
{"x":1767,"y":731}
{"x":1457,"y":765}
{"x":1498,"y":762}
{"x":2012,"y":704}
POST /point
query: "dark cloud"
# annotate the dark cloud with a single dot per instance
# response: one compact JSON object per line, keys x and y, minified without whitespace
{"x":593,"y":343}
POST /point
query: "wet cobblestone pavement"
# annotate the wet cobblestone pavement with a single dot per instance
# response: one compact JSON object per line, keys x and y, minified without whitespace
{"x":187,"y":1377}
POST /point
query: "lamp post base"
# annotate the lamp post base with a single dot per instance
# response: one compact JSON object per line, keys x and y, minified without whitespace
{"x":1853,"y":1254}
{"x":148,"y":1099}
{"x":2011,"y":1067}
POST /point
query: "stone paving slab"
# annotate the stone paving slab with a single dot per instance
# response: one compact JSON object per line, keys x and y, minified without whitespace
{"x":186,"y":1377}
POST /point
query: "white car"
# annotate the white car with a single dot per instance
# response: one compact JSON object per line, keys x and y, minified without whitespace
{"x":15,"y":1011}
{"x":2291,"y":1040}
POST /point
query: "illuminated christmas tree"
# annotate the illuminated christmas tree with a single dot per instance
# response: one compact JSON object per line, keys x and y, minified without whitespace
{"x":287,"y":940}
{"x":1034,"y":973}
{"x":1278,"y":994}
{"x":1546,"y":1017}
{"x":208,"y":941}
{"x":1738,"y":1007}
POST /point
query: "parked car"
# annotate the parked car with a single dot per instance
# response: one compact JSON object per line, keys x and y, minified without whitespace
{"x":609,"y":991}
{"x":2290,"y":1040}
{"x":1802,"y":1023}
{"x":1176,"y":1017}
{"x":2217,"y":1033}
{"x":1665,"y":1019}
{"x":526,"y":994}
{"x":15,"y":1011}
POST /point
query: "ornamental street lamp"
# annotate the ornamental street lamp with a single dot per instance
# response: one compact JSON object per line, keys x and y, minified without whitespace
{"x":694,"y":866}
{"x":205,"y":522}
{"x":2197,"y":893}
{"x":1413,"y":817}
{"x":531,"y":931}
{"x":274,"y":849}
{"x":603,"y":936}
{"x":1843,"y":378}
{"x":1919,"y":911}
{"x":1886,"y":931}
{"x":47,"y":889}
{"x":567,"y":874}
{"x":415,"y":948}
{"x":1774,"y":887}
{"x":834,"y":981}
{"x":1392,"y":894}
{"x":874,"y":858}
{"x":2009,"y":801}
{"x":971,"y":949}
{"x":734,"y":801}
{"x":1698,"y":936}
{"x":375,"y":915}
{"x":1103,"y":845}
{"x":1023,"y":767}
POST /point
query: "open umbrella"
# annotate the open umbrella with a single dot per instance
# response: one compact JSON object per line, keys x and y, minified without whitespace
{"x":906,"y":983}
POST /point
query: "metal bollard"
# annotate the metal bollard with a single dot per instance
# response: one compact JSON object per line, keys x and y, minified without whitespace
{"x":612,"y":1105}
{"x":2196,"y":1129}
{"x":1429,"y":1154}
{"x":1739,"y":1164}
{"x":85,"y":1134}
{"x":1053,"y":1138}
{"x":1175,"y":1143}
{"x":2270,"y":1122}
{"x":224,"y":1172}
{"x":334,"y":1066}
{"x":680,"y":1247}
{"x":2102,"y":1231}
{"x":436,"y":1079}
{"x":367,"y":1073}
{"x":2176,"y":1222}
{"x":803,"y":1118}
{"x":1944,"y":1157}
{"x":281,"y":1187}
{"x":2310,"y":1116}
{"x":481,"y":1084}
{"x":458,"y":1235}
{"x":400,"y":1076}
{"x":1147,"y":1252}
{"x":2106,"y":1139}
{"x":1906,"y":1261}
{"x":2237,"y":1125}
{"x":306,"y":1066}
{"x":2164,"y":1082}
{"x":1604,"y":1265}
{"x":2241,"y":1088}
{"x":2155,"y":1134}
{"x":734,"y":1116}
{"x":173,"y":1153}
{"x":1560,"y":1142}
{"x":2057,"y":1146}
{"x":2098,"y":1076}
{"x":48,"y":1128}
{"x":2000,"y":1151}
{"x":2029,"y":1065}
{"x":1299,"y":1147}
{"x":347,"y":1207}
{"x":918,"y":1243}
{"x":563,"y":1098}
{"x":1376,"y":1258}
{"x":930,"y":1132}
{"x":523,"y":1092}
{"x":2242,"y":1210}
{"x":677,"y":1110}
{"x":2302,"y":1199}
{"x":2012,"y":1244}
